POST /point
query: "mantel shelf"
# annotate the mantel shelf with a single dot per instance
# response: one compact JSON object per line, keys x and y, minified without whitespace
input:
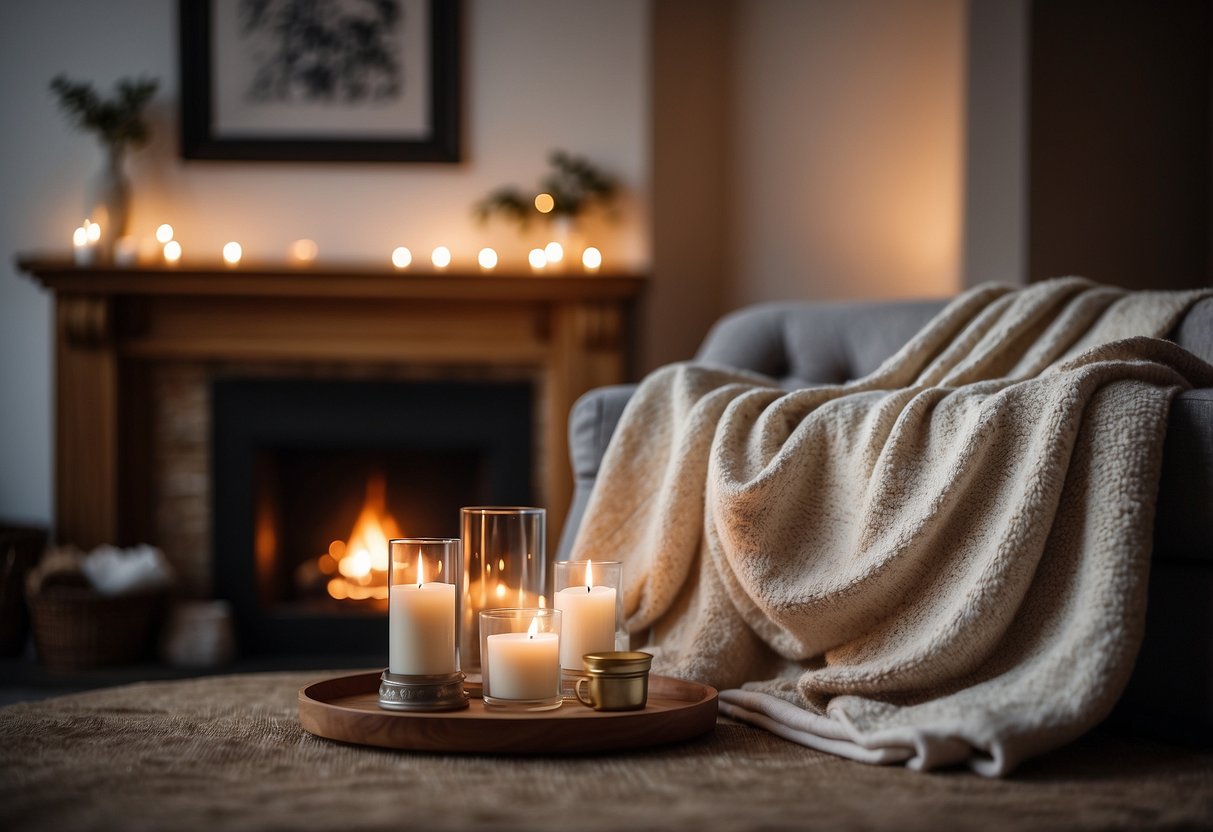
{"x":326,"y":280}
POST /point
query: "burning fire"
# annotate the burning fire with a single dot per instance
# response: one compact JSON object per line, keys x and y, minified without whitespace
{"x":357,"y":567}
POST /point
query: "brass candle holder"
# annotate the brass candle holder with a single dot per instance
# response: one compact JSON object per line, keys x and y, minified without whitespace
{"x":615,"y":680}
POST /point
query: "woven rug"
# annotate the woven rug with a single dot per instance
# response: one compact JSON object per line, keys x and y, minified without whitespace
{"x":227,"y":752}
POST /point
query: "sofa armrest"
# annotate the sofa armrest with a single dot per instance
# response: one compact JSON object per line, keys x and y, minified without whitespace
{"x":591,"y":423}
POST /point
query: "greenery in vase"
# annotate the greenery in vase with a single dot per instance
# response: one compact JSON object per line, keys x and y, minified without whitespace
{"x":574,"y":183}
{"x":117,"y":121}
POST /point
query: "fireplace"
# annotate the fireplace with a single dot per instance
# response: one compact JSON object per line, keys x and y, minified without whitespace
{"x":142,"y":352}
{"x":312,"y":477}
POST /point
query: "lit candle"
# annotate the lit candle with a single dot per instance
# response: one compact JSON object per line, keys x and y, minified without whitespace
{"x":93,"y":230}
{"x":441,"y":257}
{"x":553,"y":252}
{"x":164,"y":233}
{"x":421,"y":622}
{"x":303,"y":252}
{"x":524,"y":665}
{"x":591,"y":258}
{"x":401,"y":257}
{"x":83,"y":250}
{"x":537,"y":259}
{"x":232,"y":252}
{"x":487,"y":259}
{"x":589,"y":620}
{"x":172,"y":252}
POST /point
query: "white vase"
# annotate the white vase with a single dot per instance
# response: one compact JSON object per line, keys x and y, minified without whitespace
{"x":108,"y":200}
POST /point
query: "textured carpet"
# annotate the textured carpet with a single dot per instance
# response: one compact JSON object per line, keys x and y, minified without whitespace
{"x":227,"y":752}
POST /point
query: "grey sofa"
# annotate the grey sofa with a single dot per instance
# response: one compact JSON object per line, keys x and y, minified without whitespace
{"x":802,"y":344}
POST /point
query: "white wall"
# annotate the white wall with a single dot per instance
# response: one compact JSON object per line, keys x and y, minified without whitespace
{"x":539,"y":74}
{"x":848,"y":136}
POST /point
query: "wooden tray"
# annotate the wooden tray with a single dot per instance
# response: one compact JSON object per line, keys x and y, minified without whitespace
{"x":346,"y":708}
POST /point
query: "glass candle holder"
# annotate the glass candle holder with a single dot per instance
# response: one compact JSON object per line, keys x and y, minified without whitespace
{"x":590,"y":594}
{"x":520,"y":653}
{"x":505,"y":553}
{"x":423,"y":674}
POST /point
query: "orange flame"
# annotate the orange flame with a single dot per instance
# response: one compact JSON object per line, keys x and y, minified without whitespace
{"x":362,"y":560}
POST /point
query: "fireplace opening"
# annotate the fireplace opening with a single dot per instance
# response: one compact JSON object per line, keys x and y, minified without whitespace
{"x":324,"y":519}
{"x":312,"y":477}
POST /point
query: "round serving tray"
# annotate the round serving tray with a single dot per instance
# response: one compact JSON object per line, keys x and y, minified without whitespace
{"x":346,"y":708}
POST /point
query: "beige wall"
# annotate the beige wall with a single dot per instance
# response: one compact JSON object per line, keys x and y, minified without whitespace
{"x":996,"y":118}
{"x":815,"y":149}
{"x":848,"y":149}
{"x":692,"y":175}
{"x":539,"y":74}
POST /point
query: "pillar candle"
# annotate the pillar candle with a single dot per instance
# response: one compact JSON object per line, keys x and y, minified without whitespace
{"x":588,"y":624}
{"x":85,"y":251}
{"x":421,"y":635}
{"x":523,"y":665}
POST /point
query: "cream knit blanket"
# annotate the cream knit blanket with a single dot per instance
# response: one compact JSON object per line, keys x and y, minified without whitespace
{"x":943,"y":562}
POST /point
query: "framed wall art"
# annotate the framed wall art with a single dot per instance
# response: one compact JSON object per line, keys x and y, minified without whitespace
{"x":320,"y":80}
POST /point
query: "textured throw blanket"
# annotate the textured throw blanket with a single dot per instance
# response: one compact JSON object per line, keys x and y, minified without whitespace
{"x":944,"y":562}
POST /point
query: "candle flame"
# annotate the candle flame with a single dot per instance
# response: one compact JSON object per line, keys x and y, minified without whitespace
{"x":534,"y":628}
{"x":589,"y":575}
{"x":419,"y":567}
{"x":500,"y":590}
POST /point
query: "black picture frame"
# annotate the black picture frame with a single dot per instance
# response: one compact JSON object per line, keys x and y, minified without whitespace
{"x":201,"y":140}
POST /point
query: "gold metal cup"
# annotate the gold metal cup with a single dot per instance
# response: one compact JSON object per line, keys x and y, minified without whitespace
{"x":618,"y":680}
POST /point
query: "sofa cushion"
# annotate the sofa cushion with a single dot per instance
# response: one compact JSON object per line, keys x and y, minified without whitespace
{"x":805,"y":343}
{"x":1195,"y":331}
{"x":1183,"y":526}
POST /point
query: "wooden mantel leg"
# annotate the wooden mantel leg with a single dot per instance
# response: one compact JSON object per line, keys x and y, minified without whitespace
{"x":86,"y":421}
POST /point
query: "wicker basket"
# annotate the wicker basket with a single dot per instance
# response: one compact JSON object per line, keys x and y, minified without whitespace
{"x":75,"y":628}
{"x":20,"y":548}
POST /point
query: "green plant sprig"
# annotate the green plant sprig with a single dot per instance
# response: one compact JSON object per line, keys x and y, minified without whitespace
{"x":118,"y":121}
{"x":574,"y":183}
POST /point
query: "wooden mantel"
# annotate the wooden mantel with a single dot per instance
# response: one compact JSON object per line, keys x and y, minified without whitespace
{"x":570,"y":331}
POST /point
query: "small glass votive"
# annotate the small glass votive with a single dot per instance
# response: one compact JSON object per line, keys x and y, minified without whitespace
{"x":423,"y":626}
{"x":520,"y":649}
{"x":505,"y":553}
{"x":590,"y":594}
